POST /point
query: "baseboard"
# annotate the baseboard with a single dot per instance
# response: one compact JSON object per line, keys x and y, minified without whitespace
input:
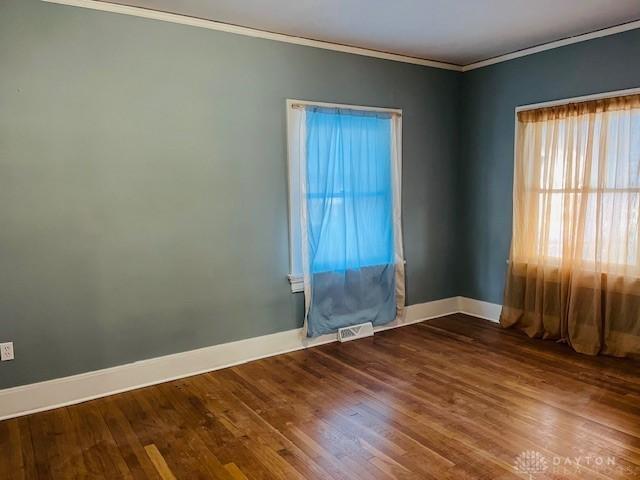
{"x":478,"y":308}
{"x":37,"y":397}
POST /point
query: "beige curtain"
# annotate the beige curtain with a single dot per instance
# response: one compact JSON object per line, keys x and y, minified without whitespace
{"x":574,"y":267}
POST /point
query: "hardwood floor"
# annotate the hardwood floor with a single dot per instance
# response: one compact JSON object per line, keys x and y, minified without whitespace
{"x":451,"y":398}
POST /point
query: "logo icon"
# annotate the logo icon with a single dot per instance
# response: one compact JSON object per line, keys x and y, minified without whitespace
{"x":530,"y":462}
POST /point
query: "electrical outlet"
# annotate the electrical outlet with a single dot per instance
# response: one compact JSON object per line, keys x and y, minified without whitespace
{"x":6,"y":351}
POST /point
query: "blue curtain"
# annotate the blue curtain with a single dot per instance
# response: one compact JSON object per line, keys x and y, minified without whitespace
{"x":349,"y":218}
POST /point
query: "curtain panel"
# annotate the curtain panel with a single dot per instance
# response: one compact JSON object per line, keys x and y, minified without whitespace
{"x":574,"y":264}
{"x":351,"y":237}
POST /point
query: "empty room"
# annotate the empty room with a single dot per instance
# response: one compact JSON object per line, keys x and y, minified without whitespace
{"x":320,"y":239}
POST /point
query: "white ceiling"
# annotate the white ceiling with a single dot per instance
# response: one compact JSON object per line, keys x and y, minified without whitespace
{"x":454,"y":31}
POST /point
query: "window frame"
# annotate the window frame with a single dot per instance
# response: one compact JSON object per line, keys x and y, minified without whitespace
{"x":295,"y":276}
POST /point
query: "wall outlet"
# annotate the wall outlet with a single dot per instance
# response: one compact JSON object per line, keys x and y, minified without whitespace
{"x":6,"y":351}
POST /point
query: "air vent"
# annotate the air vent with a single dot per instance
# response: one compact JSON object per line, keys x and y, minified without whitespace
{"x":355,"y":331}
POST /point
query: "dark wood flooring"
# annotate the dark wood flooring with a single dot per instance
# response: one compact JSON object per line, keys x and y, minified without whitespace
{"x":451,"y":398}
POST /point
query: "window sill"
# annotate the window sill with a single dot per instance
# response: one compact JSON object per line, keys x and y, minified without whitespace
{"x":297,"y":283}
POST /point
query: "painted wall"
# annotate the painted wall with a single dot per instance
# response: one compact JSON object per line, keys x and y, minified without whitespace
{"x":490,"y":96}
{"x":143,"y":196}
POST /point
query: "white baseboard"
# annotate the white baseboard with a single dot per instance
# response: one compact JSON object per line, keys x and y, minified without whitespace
{"x":480,"y":309}
{"x":37,"y":397}
{"x":60,"y":392}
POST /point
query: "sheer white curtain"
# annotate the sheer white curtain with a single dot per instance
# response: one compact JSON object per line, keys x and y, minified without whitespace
{"x":574,"y":271}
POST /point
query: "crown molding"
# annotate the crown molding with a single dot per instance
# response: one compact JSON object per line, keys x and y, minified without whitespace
{"x":250,"y":32}
{"x":279,"y":37}
{"x":551,"y":45}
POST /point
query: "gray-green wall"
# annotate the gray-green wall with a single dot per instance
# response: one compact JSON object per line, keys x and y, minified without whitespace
{"x":143,"y":196}
{"x":490,"y":96}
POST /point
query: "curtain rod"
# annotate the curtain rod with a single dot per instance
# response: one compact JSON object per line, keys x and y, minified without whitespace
{"x":300,"y":106}
{"x":584,"y":98}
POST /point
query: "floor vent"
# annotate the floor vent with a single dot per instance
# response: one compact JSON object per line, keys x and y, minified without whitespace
{"x":355,"y":331}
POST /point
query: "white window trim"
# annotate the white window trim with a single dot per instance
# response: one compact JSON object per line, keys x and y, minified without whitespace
{"x":296,"y":277}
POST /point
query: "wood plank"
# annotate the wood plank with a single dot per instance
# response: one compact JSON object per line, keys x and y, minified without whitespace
{"x":100,"y":453}
{"x":235,"y":472}
{"x":11,"y":464}
{"x":132,"y":451}
{"x":159,"y":462}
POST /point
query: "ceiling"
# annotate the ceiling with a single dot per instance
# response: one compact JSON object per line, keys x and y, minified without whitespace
{"x":453,"y":31}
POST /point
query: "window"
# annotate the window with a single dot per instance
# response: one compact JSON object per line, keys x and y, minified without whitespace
{"x":577,"y":185}
{"x":347,"y":204}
